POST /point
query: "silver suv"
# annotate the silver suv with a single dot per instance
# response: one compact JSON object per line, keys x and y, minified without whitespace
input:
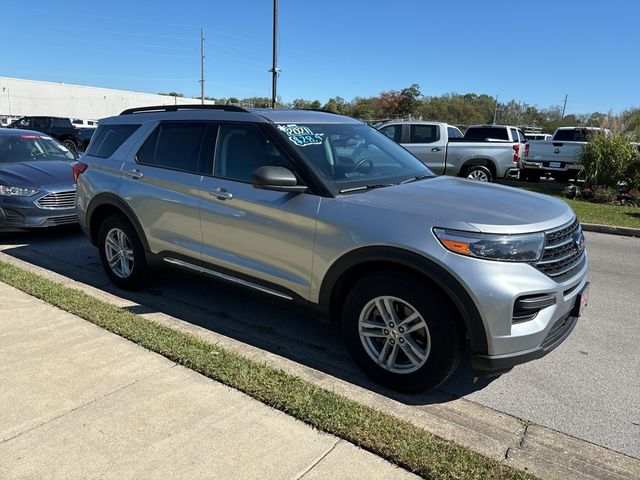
{"x":321,"y":209}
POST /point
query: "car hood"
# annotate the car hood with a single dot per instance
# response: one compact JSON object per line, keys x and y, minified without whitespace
{"x":37,"y":174}
{"x":486,"y":207}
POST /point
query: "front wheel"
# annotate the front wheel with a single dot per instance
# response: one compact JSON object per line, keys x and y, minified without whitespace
{"x":400,"y":332}
{"x":122,"y":254}
{"x":478,"y":173}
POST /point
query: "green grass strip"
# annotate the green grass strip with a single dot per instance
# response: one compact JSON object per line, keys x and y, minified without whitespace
{"x":385,"y":435}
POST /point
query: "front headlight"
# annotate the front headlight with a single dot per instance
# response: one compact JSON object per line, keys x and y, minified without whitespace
{"x":16,"y":191}
{"x":507,"y":248}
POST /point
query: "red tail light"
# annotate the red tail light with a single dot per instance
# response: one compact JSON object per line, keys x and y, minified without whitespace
{"x":526,"y":150}
{"x":78,"y":168}
{"x":516,"y":153}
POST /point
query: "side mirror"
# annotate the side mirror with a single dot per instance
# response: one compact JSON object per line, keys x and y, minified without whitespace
{"x":279,"y":179}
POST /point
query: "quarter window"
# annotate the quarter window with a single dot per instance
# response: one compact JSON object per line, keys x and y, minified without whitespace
{"x":108,"y":138}
{"x":242,"y":149}
{"x":454,"y":132}
{"x":424,"y":134}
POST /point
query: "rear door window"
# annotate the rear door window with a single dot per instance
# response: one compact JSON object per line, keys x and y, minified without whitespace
{"x":176,"y":146}
{"x":108,"y":139}
{"x":480,"y":133}
{"x":424,"y":134}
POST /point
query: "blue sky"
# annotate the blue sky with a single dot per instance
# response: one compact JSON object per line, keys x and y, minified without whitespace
{"x":534,"y":52}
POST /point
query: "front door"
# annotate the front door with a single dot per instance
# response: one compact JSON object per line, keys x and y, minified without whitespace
{"x":263,"y":235}
{"x":428,"y":144}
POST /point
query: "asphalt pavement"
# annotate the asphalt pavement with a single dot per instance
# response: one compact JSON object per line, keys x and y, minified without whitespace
{"x":588,"y":388}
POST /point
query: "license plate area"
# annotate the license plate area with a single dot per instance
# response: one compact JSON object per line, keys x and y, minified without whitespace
{"x":582,"y":299}
{"x":555,"y":164}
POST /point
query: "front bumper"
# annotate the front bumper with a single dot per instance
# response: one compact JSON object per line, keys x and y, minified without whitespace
{"x":17,"y":215}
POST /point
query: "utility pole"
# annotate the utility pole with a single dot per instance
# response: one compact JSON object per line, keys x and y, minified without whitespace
{"x":201,"y":66}
{"x":274,"y":69}
{"x":564,"y":107}
{"x":495,"y":111}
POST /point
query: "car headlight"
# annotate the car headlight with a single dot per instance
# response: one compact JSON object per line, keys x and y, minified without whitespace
{"x":507,"y":248}
{"x":16,"y":191}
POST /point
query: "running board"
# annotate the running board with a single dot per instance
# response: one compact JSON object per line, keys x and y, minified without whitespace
{"x":228,"y":278}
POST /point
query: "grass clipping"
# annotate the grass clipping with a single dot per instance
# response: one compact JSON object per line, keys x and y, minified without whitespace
{"x":391,"y":438}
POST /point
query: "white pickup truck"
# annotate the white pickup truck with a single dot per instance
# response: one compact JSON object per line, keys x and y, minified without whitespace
{"x":558,"y":157}
{"x":484,"y":152}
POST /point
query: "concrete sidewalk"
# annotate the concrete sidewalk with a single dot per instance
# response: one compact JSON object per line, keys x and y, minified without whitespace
{"x":79,"y":402}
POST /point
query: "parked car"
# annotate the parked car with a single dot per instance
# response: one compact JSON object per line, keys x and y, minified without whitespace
{"x":538,"y":136}
{"x":36,"y":181}
{"x":59,"y":128}
{"x":323,"y":210}
{"x":81,"y":123}
{"x":558,"y":157}
{"x":489,"y":153}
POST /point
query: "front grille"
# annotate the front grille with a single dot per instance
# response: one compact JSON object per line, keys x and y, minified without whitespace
{"x":63,"y":220}
{"x":58,"y":200}
{"x":563,"y":252}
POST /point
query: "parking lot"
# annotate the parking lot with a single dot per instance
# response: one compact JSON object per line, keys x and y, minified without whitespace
{"x":586,"y":388}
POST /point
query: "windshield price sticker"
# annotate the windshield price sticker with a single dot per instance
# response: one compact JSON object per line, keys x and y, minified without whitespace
{"x":301,"y":136}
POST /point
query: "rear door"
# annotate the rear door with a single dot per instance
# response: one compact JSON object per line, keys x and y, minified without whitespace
{"x":162,"y":185}
{"x":261,"y":235}
{"x":428,"y":143}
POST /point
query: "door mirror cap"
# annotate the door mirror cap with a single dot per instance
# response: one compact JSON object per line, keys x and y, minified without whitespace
{"x":279,"y":179}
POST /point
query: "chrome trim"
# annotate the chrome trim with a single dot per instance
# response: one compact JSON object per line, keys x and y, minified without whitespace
{"x":228,"y":278}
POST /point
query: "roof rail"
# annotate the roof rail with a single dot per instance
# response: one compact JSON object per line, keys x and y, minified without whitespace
{"x":175,"y":108}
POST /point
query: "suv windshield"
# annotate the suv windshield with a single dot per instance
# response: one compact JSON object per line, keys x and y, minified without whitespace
{"x":28,"y":147}
{"x":353,"y":155}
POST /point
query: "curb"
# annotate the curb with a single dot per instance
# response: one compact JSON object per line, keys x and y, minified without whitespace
{"x":611,"y":230}
{"x":535,"y":449}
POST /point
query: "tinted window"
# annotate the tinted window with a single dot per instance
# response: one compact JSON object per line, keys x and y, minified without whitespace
{"x":480,"y":133}
{"x":424,"y":134}
{"x":522,"y":137}
{"x":176,"y":146}
{"x":61,"y":122}
{"x":514,"y":135}
{"x":30,"y":147}
{"x":40,"y":123}
{"x":573,"y":135}
{"x":108,"y":138}
{"x":454,"y":132}
{"x":23,"y":123}
{"x":394,"y":132}
{"x":242,"y":149}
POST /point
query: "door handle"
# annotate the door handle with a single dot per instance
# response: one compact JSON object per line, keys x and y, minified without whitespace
{"x":135,"y":174}
{"x":221,"y":193}
{"x":436,"y":149}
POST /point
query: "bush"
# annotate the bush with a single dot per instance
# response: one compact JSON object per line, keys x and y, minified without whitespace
{"x":604,"y":195}
{"x":609,"y":160}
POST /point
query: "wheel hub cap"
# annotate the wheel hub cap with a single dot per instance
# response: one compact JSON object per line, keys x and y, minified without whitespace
{"x":394,"y":334}
{"x":119,"y":253}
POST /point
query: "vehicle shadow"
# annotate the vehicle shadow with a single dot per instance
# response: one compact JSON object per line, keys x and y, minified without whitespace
{"x":243,"y":315}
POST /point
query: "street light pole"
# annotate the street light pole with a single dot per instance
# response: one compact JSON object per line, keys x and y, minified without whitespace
{"x":201,"y":66}
{"x":274,"y":69}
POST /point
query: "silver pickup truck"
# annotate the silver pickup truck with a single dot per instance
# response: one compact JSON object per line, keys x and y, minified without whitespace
{"x":558,"y":157}
{"x":484,"y":152}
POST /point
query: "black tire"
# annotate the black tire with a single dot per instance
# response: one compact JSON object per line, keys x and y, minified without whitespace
{"x":443,"y":326}
{"x":138,"y":275}
{"x":480,"y":172}
{"x":70,"y":144}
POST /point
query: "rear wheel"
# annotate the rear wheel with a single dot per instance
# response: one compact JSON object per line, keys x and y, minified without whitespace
{"x":479,"y":173}
{"x":122,"y":254}
{"x":400,"y":332}
{"x":70,"y":144}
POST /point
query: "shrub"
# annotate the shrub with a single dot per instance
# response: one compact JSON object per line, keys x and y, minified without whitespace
{"x":604,"y":195}
{"x":608,"y":160}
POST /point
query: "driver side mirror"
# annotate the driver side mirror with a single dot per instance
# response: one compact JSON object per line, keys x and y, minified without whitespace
{"x":279,"y":179}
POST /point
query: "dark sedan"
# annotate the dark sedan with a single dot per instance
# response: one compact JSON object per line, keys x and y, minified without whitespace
{"x":36,"y":181}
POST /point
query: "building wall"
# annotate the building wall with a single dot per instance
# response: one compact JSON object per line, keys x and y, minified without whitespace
{"x":19,"y":97}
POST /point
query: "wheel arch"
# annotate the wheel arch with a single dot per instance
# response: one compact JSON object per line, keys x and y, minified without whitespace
{"x":354,"y":265}
{"x":483,"y":162}
{"x":103,"y":205}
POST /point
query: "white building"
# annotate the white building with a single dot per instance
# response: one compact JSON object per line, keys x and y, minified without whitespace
{"x":19,"y":97}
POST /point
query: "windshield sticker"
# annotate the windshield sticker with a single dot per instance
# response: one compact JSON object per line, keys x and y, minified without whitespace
{"x":301,"y":136}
